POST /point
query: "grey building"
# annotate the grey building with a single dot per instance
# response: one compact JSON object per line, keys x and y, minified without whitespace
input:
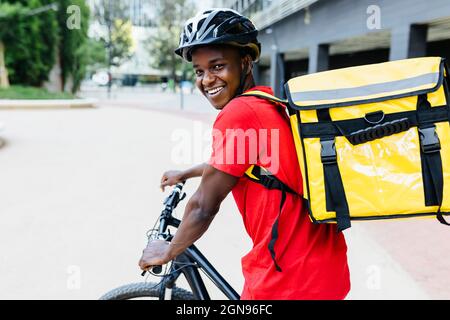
{"x":305,"y":36}
{"x":141,"y":13}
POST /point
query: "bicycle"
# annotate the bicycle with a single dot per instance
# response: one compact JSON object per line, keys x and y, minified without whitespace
{"x":187,"y":264}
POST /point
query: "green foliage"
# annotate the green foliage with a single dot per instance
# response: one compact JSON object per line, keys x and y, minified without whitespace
{"x":30,"y":42}
{"x":73,"y":43}
{"x":33,"y":39}
{"x":21,"y":92}
{"x":96,"y":55}
{"x":122,"y":42}
{"x":8,"y":13}
{"x":172,"y":16}
{"x":112,"y":15}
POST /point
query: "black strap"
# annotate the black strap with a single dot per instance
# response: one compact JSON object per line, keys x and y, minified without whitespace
{"x":323,"y":115}
{"x":334,"y":188}
{"x":441,"y":218}
{"x":434,"y":161}
{"x":271,"y":182}
{"x":268,"y":180}
{"x":274,"y":234}
{"x":346,"y":127}
{"x":447,"y":88}
{"x":447,"y":97}
{"x":334,"y":185}
{"x":432,"y":172}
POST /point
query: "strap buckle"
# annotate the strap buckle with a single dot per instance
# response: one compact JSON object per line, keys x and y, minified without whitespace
{"x":328,"y":152}
{"x":429,"y":140}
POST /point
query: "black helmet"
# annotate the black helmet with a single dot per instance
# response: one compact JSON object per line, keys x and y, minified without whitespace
{"x":218,"y":26}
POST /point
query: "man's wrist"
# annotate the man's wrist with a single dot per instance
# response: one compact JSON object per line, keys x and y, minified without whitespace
{"x":174,"y":250}
{"x":183,"y":176}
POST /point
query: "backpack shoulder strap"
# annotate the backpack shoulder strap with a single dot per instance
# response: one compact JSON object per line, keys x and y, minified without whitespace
{"x":264,"y":177}
{"x":267,"y":179}
{"x":263,"y":95}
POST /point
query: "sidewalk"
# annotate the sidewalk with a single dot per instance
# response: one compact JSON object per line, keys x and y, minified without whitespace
{"x":374,"y":273}
{"x":6,"y":104}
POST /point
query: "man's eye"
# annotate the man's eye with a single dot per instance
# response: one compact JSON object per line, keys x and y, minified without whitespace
{"x":198,"y":73}
{"x":218,"y":66}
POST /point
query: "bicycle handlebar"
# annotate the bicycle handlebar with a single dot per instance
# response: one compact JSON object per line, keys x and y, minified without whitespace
{"x":170,"y":203}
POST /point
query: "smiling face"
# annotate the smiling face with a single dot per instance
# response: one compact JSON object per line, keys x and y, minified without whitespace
{"x":218,"y":72}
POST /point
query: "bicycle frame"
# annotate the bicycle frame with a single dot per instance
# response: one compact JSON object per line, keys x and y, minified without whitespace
{"x":196,"y":260}
{"x":190,"y":260}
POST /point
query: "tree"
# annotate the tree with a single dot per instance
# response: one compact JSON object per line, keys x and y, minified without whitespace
{"x":117,"y":39}
{"x":8,"y":13}
{"x":172,"y":16}
{"x":96,"y":55}
{"x":30,"y":42}
{"x":121,"y":41}
{"x":73,"y":21}
{"x":34,"y":34}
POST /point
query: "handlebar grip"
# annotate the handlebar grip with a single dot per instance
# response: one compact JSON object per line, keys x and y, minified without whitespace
{"x":157,"y":269}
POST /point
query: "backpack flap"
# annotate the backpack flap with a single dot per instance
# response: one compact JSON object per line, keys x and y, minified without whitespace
{"x":366,"y":84}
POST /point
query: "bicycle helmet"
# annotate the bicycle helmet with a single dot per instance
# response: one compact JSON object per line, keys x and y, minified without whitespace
{"x":219,"y":26}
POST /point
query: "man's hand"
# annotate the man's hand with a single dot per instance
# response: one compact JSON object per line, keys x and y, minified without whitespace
{"x":156,"y":254}
{"x":170,"y":178}
{"x":199,"y":213}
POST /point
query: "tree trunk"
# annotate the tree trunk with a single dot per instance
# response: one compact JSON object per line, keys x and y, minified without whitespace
{"x":4,"y":82}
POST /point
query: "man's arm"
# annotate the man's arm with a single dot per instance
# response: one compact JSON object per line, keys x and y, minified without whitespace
{"x":200,"y":211}
{"x":196,"y":171}
{"x":172,"y":177}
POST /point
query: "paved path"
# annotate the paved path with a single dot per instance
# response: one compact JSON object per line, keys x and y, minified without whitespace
{"x":80,"y":188}
{"x":7,"y":104}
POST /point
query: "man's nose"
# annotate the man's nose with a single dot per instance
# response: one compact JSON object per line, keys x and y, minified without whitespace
{"x":208,"y":79}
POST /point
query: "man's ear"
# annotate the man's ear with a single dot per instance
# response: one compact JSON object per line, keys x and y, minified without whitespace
{"x":247,"y":64}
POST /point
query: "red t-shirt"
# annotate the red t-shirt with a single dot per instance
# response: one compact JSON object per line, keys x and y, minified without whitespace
{"x":312,"y":257}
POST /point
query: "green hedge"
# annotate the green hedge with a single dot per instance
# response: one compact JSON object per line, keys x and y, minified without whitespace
{"x":30,"y":45}
{"x":34,"y":41}
{"x":21,"y":92}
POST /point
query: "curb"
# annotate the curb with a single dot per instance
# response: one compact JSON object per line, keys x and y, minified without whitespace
{"x":47,"y":104}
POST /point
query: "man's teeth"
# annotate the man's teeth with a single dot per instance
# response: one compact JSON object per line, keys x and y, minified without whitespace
{"x":213,"y":91}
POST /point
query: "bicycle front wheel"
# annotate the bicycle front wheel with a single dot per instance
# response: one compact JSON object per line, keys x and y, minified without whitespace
{"x":144,"y":290}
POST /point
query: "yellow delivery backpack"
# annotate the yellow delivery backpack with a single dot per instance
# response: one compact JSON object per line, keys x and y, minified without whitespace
{"x":372,"y":141}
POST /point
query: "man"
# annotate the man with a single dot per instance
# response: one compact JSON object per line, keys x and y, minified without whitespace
{"x":306,"y":261}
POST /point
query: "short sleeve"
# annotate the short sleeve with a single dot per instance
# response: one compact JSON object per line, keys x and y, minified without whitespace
{"x":235,"y":139}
